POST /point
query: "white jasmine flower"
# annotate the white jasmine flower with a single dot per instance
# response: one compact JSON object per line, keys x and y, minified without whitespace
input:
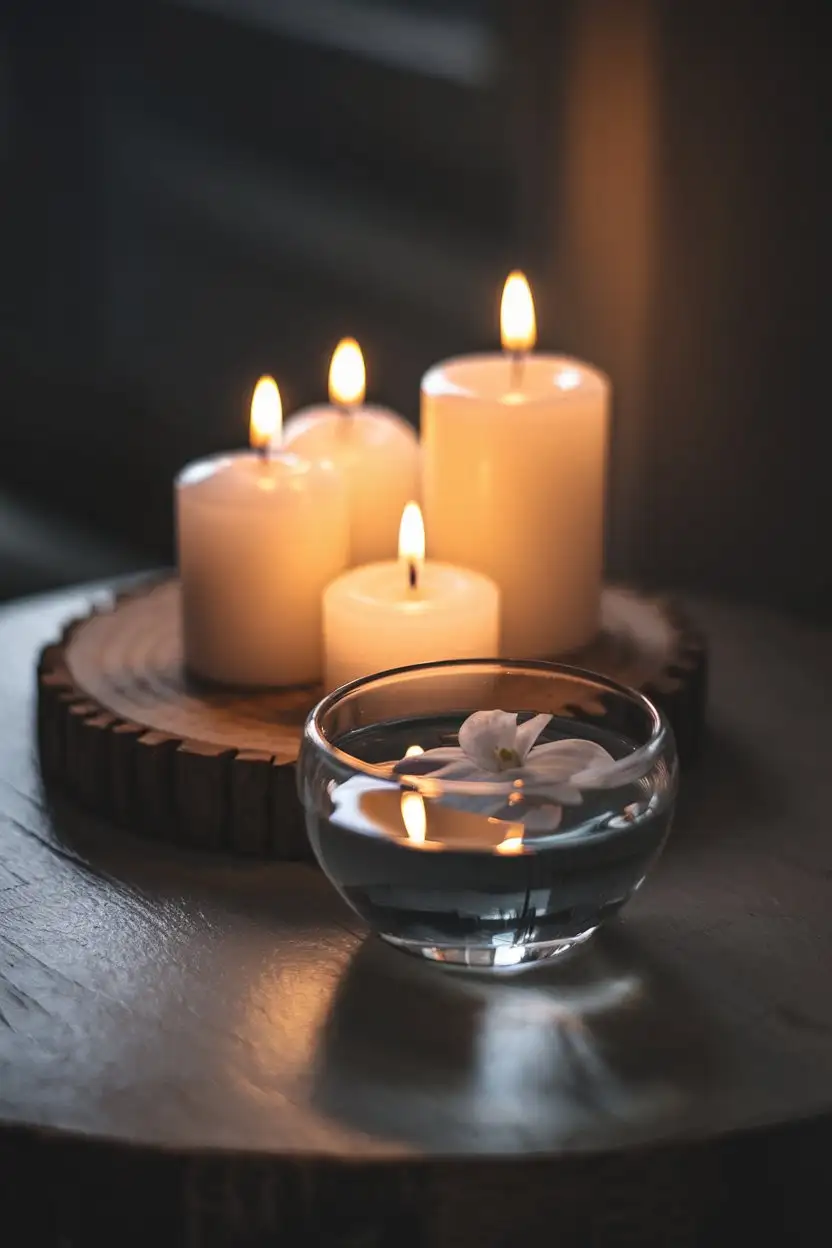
{"x":498,"y":759}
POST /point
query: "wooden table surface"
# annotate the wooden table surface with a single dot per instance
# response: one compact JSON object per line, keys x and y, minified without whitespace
{"x":218,"y":1047}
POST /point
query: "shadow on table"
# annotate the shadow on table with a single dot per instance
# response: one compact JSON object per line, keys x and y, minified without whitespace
{"x":594,"y":1052}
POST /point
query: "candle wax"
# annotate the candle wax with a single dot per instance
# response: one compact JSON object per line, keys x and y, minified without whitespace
{"x":514,"y":470}
{"x":258,"y":540}
{"x":373,"y":621}
{"x":378,"y":455}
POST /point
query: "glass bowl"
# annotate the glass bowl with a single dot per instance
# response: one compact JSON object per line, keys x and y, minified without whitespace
{"x":500,"y":862}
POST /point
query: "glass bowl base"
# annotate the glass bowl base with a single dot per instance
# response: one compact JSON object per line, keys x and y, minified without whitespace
{"x":498,"y":958}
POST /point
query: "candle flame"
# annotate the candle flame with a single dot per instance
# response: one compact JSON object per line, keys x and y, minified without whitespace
{"x":412,"y":539}
{"x":414,"y":816}
{"x":266,"y":424}
{"x":518,"y":328}
{"x":513,"y":842}
{"x":347,"y":375}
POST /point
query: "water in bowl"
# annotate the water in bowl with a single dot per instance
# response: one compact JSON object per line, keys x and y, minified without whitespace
{"x":460,"y":887}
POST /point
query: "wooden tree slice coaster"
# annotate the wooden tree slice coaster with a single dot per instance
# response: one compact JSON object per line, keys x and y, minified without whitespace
{"x":129,"y":733}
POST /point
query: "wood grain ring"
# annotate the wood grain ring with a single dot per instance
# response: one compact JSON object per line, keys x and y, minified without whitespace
{"x":131,"y":735}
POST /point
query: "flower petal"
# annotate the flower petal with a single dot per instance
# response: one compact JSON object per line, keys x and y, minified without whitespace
{"x":485,"y":733}
{"x":565,"y":794}
{"x":528,"y":732}
{"x":420,"y":764}
{"x":462,"y":769}
{"x":442,"y":753}
{"x":616,"y":772}
{"x":539,"y":785}
{"x":549,"y":770}
{"x":560,"y":760}
{"x":578,"y":749}
{"x":543,"y":818}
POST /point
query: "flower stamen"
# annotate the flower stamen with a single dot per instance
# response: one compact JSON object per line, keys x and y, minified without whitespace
{"x":507,"y":758}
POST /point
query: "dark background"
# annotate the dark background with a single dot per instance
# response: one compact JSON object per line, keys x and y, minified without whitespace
{"x":195,"y":192}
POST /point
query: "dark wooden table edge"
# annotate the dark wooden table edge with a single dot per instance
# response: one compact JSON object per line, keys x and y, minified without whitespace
{"x":71,"y":1136}
{"x":763,"y":1183}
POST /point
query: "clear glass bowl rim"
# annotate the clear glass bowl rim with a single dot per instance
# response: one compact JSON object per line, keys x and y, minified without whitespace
{"x":661,"y":734}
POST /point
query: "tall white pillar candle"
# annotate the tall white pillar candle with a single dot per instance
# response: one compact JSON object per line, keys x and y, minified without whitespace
{"x":259,"y":534}
{"x":404,"y":611}
{"x":515,"y":450}
{"x":376,"y":452}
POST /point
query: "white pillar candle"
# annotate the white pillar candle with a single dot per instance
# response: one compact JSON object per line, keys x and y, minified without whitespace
{"x":375,"y":450}
{"x":259,"y":534}
{"x":515,"y":452}
{"x":405,"y":611}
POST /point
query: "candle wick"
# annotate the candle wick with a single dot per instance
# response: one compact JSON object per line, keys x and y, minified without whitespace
{"x":411,"y":574}
{"x":264,"y":451}
{"x":518,"y":359}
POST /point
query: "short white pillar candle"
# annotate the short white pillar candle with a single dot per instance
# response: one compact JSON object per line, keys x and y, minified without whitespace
{"x":404,"y":611}
{"x":260,"y":534}
{"x":374,"y":449}
{"x":515,"y":451}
